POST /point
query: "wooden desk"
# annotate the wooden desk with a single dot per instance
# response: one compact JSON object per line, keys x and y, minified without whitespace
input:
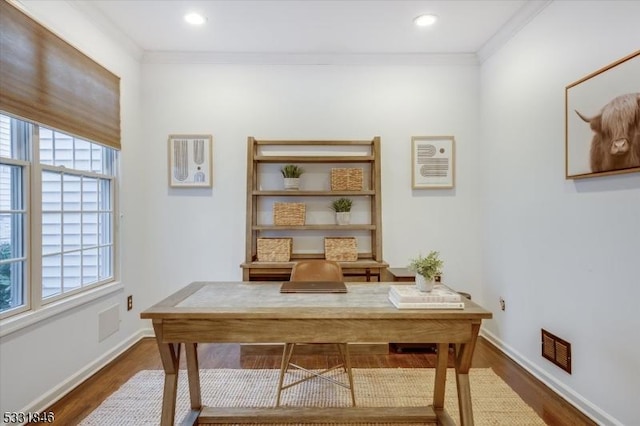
{"x":402,"y":274}
{"x":255,"y":312}
{"x":405,"y":275}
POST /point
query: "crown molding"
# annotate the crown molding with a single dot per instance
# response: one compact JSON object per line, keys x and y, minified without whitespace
{"x":517,"y":22}
{"x":97,"y":18}
{"x":524,"y":15}
{"x":242,"y":58}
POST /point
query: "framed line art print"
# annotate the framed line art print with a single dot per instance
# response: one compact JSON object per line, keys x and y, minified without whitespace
{"x":190,"y":161}
{"x":602,"y":121}
{"x":432,"y":162}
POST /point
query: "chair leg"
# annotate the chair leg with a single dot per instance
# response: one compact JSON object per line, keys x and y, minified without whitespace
{"x":347,"y":363}
{"x":340,"y":347}
{"x":287,"y":353}
{"x":284,"y":366}
{"x":292,"y":347}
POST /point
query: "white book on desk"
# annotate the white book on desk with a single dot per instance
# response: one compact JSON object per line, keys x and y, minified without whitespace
{"x":411,"y":294}
{"x":425,"y":305}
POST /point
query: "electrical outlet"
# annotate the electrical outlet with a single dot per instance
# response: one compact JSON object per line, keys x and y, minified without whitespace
{"x":502,"y":304}
{"x":129,"y":303}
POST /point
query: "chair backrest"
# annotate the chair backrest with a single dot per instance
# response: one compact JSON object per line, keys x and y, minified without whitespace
{"x":316,"y":270}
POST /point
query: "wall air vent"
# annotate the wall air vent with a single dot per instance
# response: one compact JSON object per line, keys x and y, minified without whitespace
{"x":556,"y":350}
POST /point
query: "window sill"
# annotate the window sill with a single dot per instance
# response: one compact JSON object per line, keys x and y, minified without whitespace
{"x":18,"y":322}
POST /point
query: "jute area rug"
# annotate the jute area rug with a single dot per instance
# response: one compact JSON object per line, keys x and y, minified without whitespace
{"x":138,"y":402}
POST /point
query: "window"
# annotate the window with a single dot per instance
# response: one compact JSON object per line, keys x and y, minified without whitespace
{"x":65,"y":242}
{"x":58,"y":192}
{"x":14,"y":144}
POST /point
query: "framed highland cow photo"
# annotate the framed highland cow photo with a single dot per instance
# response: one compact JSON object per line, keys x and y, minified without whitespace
{"x":602,"y":121}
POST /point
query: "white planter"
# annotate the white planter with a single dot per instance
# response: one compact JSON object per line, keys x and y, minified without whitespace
{"x":291,"y":183}
{"x":423,"y":284}
{"x":343,"y":218}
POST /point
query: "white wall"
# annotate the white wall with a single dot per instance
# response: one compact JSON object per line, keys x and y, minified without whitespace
{"x":41,"y":362}
{"x":203,"y":231}
{"x":562,"y":253}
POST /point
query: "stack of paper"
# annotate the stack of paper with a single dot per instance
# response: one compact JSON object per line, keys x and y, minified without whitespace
{"x":409,"y":297}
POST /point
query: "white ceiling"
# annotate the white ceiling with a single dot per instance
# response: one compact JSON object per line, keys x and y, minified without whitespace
{"x":312,"y":26}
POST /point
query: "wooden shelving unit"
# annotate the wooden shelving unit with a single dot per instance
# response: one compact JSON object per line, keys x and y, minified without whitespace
{"x":324,"y":154}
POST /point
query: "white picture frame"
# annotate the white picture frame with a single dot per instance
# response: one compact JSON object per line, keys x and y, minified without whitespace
{"x":432,"y":162}
{"x":190,"y":161}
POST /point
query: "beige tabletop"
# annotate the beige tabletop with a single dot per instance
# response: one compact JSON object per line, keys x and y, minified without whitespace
{"x":263,"y":299}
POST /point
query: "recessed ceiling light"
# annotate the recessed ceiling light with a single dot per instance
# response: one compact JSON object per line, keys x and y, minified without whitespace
{"x":195,"y":18}
{"x":425,"y":20}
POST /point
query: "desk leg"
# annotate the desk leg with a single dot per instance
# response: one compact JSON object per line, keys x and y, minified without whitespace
{"x":441,"y":376}
{"x":170,"y":356}
{"x":193,"y":373}
{"x":463,"y":356}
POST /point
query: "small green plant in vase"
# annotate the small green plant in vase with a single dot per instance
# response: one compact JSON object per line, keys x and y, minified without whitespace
{"x":342,"y":207}
{"x":426,"y":269}
{"x":291,"y":174}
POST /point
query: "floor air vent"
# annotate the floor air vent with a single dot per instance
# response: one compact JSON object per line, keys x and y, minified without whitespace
{"x":556,"y":350}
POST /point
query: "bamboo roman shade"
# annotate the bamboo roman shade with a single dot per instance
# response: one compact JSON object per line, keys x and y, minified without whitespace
{"x":48,"y":81}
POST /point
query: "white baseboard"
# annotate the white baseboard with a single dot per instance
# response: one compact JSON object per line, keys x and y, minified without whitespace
{"x":147,"y":332}
{"x":43,"y":402}
{"x":589,"y":409}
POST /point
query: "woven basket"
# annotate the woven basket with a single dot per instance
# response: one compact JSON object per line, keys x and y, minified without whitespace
{"x":346,"y":179}
{"x":290,"y":214}
{"x":341,"y":249}
{"x":274,"y":249}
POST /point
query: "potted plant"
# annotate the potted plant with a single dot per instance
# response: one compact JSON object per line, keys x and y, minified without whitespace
{"x":426,"y":269}
{"x":291,"y":174}
{"x":342,"y":207}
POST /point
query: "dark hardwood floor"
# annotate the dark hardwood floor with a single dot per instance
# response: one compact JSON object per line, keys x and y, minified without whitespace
{"x":72,"y":408}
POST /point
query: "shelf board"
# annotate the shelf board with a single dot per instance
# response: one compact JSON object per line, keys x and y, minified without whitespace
{"x":312,"y":227}
{"x":297,"y":193}
{"x":314,"y":158}
{"x":314,"y":142}
{"x":360,"y":263}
